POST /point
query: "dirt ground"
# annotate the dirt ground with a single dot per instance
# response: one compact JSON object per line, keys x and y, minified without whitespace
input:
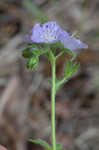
{"x":25,"y":94}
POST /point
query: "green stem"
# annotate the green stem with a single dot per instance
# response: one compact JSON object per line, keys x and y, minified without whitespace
{"x":60,"y":54}
{"x":53,"y":106}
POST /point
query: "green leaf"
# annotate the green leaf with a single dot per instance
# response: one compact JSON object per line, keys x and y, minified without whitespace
{"x":38,"y":49}
{"x":39,"y":52}
{"x":41,"y":142}
{"x":32,"y":62}
{"x":75,"y":67}
{"x":68,"y":67}
{"x":34,"y":46}
{"x":59,"y":147}
{"x":26,"y":53}
{"x":59,"y":82}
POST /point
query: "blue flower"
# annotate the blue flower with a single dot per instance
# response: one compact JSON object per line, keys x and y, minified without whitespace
{"x":46,"y":33}
{"x":51,"y":32}
{"x":71,"y":42}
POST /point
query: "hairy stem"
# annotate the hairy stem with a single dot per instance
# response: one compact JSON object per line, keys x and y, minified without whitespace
{"x":53,"y":106}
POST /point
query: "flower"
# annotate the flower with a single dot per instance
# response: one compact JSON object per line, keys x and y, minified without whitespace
{"x":71,"y":42}
{"x":46,"y":33}
{"x":51,"y":32}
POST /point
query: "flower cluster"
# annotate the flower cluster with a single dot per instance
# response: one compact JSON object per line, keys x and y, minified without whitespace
{"x":51,"y":32}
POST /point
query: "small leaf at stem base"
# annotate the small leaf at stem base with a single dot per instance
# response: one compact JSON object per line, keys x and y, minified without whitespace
{"x":41,"y":142}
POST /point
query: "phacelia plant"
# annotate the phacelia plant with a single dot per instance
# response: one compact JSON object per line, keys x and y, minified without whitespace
{"x":46,"y":39}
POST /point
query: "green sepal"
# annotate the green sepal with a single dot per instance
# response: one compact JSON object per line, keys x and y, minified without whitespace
{"x":56,"y":45}
{"x":41,"y":142}
{"x":38,"y":45}
{"x":32,"y":62}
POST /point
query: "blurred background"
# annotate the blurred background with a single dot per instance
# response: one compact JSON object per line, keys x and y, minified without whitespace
{"x":25,"y":95}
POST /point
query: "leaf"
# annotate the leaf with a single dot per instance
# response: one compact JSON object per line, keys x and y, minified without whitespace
{"x":34,"y":46}
{"x":75,"y":67}
{"x":39,"y":48}
{"x":68,"y":67}
{"x":26,"y":53}
{"x":38,"y":52}
{"x":40,"y":142}
{"x":32,"y":62}
{"x":59,"y":147}
{"x":59,"y":82}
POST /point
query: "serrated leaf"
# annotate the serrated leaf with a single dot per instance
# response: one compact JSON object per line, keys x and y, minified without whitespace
{"x":40,"y":142}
